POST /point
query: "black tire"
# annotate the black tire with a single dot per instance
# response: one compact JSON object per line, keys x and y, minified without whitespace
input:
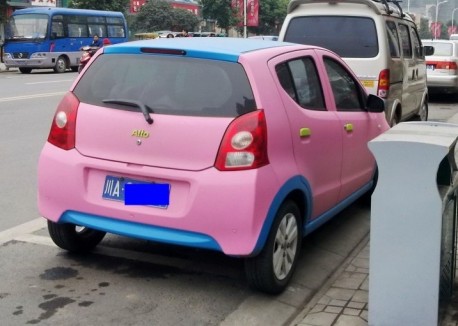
{"x":61,"y":65}
{"x":75,"y":68}
{"x":422,"y":114}
{"x":74,"y":238}
{"x":25,"y":70}
{"x":394,"y":121}
{"x":260,"y":270}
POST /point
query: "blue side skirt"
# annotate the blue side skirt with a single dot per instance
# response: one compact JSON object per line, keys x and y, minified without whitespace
{"x":141,"y":231}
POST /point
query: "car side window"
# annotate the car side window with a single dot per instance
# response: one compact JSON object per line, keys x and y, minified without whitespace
{"x":405,"y":41}
{"x":416,"y":44}
{"x":299,"y":78}
{"x":393,"y":39}
{"x":347,"y":93}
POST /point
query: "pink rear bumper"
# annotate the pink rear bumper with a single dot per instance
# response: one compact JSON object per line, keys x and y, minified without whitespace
{"x":228,"y":207}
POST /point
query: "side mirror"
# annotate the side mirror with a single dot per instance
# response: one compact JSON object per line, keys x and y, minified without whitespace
{"x":428,"y":50}
{"x":375,"y":104}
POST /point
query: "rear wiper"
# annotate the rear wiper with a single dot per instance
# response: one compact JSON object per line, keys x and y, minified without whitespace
{"x":143,"y":107}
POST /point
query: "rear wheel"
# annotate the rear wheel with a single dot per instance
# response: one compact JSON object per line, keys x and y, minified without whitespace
{"x":394,"y":121}
{"x":423,"y":112}
{"x":272,"y":269}
{"x":61,"y":65}
{"x":74,"y":238}
{"x":25,"y":70}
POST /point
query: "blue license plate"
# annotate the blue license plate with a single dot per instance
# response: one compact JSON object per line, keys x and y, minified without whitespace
{"x":138,"y":192}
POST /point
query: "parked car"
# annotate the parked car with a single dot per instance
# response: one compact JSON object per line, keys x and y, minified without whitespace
{"x":247,"y":146}
{"x":442,"y":66}
{"x":377,"y":40}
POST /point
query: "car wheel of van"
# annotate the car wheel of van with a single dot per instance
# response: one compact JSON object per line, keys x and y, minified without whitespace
{"x":25,"y":70}
{"x":423,"y":112}
{"x":75,"y":68}
{"x":61,"y":65}
{"x":74,"y":238}
{"x":271,"y":270}
{"x":394,"y":121}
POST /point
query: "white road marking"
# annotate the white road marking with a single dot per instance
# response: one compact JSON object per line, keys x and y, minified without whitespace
{"x":25,"y":228}
{"x":50,"y":81}
{"x":26,"y":97}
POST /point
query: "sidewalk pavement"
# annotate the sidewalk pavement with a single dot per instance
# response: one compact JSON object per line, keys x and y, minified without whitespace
{"x":343,"y":300}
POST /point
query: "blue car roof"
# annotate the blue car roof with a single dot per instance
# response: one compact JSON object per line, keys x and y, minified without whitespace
{"x":224,"y":48}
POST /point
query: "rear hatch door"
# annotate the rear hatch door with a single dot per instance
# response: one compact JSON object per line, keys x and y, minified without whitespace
{"x":190,"y":101}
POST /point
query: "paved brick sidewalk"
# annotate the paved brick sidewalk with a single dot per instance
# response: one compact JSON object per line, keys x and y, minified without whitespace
{"x":344,"y":300}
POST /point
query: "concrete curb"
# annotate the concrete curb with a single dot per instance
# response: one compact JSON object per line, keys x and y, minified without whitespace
{"x":3,"y":68}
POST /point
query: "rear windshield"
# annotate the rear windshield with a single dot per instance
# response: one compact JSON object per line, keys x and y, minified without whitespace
{"x":441,"y":49}
{"x":349,"y":37}
{"x":168,"y":85}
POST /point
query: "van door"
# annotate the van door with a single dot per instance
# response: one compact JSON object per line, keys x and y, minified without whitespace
{"x":410,"y":69}
{"x":419,"y":82}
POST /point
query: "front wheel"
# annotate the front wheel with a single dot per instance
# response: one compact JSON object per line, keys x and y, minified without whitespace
{"x":273,"y":268}
{"x":25,"y":70}
{"x":61,"y":65}
{"x":74,"y":238}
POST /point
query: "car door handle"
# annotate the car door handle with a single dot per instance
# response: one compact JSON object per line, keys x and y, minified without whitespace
{"x":348,"y":127}
{"x":305,"y":132}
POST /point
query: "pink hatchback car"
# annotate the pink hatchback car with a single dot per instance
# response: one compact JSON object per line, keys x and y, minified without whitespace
{"x":241,"y":146}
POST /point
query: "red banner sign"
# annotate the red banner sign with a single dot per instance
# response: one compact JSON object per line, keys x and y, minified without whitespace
{"x":436,"y":29}
{"x":252,"y":12}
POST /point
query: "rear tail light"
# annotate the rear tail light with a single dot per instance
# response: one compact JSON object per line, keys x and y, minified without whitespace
{"x":63,"y":126}
{"x":383,"y":83}
{"x":448,"y":65}
{"x":244,"y":145}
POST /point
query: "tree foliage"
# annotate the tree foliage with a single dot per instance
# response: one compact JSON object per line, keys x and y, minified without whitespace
{"x":111,"y":5}
{"x":221,"y":11}
{"x":424,"y":30}
{"x":158,"y":15}
{"x":2,"y":12}
{"x":271,"y":14}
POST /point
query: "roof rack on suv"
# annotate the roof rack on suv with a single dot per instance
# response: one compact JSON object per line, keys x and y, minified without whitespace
{"x":379,"y":6}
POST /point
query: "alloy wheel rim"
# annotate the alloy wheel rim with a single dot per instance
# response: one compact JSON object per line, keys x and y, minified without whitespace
{"x":285,"y":246}
{"x":423,"y":112}
{"x":61,"y":64}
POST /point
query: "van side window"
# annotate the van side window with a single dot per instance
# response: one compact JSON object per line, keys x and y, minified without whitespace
{"x":416,"y":44}
{"x":299,"y":78}
{"x":347,"y":93}
{"x":393,"y":39}
{"x":405,"y":41}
